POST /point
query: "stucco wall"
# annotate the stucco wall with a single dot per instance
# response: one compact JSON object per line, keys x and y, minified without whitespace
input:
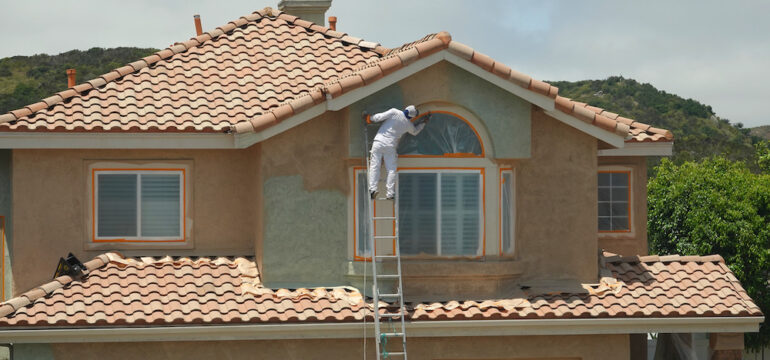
{"x":5,"y":212}
{"x":556,"y":203}
{"x":305,"y":184}
{"x":51,"y":205}
{"x":604,"y":347}
{"x":505,"y":117}
{"x":634,"y":243}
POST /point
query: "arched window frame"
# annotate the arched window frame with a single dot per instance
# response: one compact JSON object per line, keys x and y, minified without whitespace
{"x":449,"y":155}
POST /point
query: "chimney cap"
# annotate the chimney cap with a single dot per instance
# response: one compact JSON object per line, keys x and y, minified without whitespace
{"x":196,"y":16}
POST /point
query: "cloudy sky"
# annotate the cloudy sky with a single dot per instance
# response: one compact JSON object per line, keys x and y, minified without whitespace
{"x":717,"y":52}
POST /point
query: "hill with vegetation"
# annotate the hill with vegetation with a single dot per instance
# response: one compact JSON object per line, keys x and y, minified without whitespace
{"x":761,"y":132}
{"x":698,"y":132}
{"x":28,"y":79}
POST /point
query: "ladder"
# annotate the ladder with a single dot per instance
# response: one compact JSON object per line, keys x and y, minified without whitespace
{"x":394,"y":330}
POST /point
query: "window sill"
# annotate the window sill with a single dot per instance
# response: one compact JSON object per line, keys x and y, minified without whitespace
{"x":159,"y":245}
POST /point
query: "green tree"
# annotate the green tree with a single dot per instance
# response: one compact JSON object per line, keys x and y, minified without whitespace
{"x":716,"y":207}
{"x":763,"y":156}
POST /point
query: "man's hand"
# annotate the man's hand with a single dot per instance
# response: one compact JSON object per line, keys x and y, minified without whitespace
{"x":365,"y":115}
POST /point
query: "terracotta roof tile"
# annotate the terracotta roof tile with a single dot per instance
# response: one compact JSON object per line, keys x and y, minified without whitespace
{"x":121,"y":291}
{"x":236,"y":75}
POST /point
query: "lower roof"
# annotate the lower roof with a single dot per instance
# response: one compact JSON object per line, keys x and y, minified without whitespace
{"x":141,"y":292}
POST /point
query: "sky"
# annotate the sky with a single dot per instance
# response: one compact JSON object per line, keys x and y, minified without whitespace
{"x":717,"y":52}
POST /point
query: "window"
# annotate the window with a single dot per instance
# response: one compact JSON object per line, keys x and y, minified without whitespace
{"x":138,"y":205}
{"x":614,"y":201}
{"x":440,"y":212}
{"x":507,"y":219}
{"x":446,"y":134}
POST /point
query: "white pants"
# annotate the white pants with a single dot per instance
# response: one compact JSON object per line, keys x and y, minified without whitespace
{"x":380,"y":151}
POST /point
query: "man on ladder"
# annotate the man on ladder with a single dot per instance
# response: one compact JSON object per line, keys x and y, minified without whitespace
{"x":396,"y":124}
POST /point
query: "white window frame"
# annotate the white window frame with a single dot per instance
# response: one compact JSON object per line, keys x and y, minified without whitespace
{"x":138,"y":238}
{"x":480,"y":244}
{"x":512,"y":219}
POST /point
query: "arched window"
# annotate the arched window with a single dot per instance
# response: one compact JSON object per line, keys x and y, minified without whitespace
{"x":446,"y":134}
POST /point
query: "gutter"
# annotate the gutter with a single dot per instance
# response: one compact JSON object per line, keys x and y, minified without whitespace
{"x":450,"y":328}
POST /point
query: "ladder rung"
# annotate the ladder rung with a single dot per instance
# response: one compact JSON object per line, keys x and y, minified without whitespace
{"x":384,"y":218}
{"x":385,"y":236}
{"x":396,"y":353}
{"x":391,"y":315}
{"x":385,"y":199}
{"x":385,"y":256}
{"x":390,"y":295}
{"x":393,"y":334}
{"x":388,"y":276}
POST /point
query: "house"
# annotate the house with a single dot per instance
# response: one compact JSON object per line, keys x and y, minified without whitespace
{"x":214,"y":193}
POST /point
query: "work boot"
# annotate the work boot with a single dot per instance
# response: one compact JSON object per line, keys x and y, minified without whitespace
{"x":373,"y":194}
{"x":391,"y":197}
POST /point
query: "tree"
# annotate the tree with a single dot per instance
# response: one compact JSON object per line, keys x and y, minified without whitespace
{"x":763,"y":156}
{"x":716,"y":207}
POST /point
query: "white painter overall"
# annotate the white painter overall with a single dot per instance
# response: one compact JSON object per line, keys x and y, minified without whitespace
{"x":385,"y":143}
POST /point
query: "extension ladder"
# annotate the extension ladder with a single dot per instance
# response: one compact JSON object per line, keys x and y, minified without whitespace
{"x":394,"y":330}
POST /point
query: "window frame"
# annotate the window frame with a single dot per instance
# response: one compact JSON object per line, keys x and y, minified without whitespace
{"x":512,"y":219}
{"x":458,"y":155}
{"x":138,"y":172}
{"x":629,"y":173}
{"x":431,"y":170}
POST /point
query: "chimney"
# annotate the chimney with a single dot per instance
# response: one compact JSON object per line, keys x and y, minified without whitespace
{"x":310,"y":10}
{"x":333,"y":22}
{"x":198,"y":28}
{"x":70,"y":78}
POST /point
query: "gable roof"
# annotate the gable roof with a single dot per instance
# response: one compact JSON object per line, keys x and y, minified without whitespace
{"x":127,"y":292}
{"x":255,"y":72}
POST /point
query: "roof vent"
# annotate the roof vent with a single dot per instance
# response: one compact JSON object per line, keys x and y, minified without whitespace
{"x":198,"y":27}
{"x":333,"y":22}
{"x":310,"y":10}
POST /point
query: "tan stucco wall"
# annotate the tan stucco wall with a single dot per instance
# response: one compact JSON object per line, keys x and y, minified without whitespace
{"x":634,"y":243}
{"x":556,"y":203}
{"x":586,"y":347}
{"x":51,"y":205}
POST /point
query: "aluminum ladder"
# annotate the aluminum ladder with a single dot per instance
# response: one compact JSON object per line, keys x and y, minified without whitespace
{"x":396,"y":329}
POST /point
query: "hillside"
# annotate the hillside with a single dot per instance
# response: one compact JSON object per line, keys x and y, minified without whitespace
{"x":761,"y":132}
{"x":698,"y":132}
{"x":28,"y":79}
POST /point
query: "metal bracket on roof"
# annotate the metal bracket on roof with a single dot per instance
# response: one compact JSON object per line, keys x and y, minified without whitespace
{"x":70,"y":266}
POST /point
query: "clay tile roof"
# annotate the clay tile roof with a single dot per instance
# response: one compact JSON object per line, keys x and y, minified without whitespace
{"x":120,"y":291}
{"x":253,"y":73}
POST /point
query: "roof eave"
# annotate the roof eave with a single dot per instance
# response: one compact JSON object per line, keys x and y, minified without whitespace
{"x":415,"y":328}
{"x":635,"y":148}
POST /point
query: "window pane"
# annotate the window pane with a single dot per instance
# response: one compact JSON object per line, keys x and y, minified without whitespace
{"x":507,"y":212}
{"x":161,"y":210}
{"x":362,"y":214}
{"x":619,"y":179}
{"x":619,"y":209}
{"x":116,"y":199}
{"x":459,"y":214}
{"x":604,"y":209}
{"x":417,"y":206}
{"x":619,"y":194}
{"x":619,"y":223}
{"x":604,"y":194}
{"x":605,"y":224}
{"x":444,"y":134}
{"x":604,"y":179}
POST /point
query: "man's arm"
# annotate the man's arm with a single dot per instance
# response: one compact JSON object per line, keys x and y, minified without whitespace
{"x":384,"y":115}
{"x":414,"y":130}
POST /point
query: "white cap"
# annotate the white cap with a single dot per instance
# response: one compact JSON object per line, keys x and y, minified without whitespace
{"x":411,"y":110}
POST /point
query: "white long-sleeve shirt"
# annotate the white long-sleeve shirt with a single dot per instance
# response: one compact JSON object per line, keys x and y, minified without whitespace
{"x":395,"y":125}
